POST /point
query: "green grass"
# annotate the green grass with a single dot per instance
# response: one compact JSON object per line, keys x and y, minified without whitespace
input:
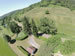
{"x":68,"y":47}
{"x":43,"y":38}
{"x":6,"y":31}
{"x":55,"y":44}
{"x":24,"y":51}
{"x":5,"y":50}
{"x":49,"y":46}
{"x":21,"y":36}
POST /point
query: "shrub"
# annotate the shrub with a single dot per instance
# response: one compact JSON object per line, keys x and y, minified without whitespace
{"x":47,"y":12}
{"x":47,"y":26}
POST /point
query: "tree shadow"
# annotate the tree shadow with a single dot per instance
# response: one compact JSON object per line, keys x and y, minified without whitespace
{"x":12,"y":41}
{"x":8,"y":38}
{"x":26,"y":51}
{"x":40,"y":34}
{"x":54,"y":32}
{"x":35,"y":50}
{"x":24,"y":38}
{"x":29,"y":54}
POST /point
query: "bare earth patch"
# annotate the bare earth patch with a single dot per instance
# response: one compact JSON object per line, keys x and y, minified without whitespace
{"x":73,"y":54}
{"x":63,"y":39}
{"x":46,"y":35}
{"x":20,"y":24}
{"x":58,"y":54}
{"x":33,"y":42}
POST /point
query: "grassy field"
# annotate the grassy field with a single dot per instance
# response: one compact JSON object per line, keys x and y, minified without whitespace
{"x":5,"y":50}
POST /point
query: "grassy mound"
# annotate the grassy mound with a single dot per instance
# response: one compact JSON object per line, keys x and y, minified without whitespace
{"x":21,"y":36}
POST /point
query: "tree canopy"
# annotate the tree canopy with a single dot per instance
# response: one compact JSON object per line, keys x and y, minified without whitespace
{"x":47,"y":26}
{"x":27,"y":26}
{"x":34,"y":28}
{"x":14,"y":27}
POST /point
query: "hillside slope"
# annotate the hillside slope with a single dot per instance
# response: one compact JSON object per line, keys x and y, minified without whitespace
{"x":63,"y":17}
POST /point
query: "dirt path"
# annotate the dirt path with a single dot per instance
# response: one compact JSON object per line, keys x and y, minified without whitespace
{"x":46,"y":35}
{"x":58,"y":54}
{"x":20,"y":24}
{"x":14,"y":36}
{"x":33,"y":42}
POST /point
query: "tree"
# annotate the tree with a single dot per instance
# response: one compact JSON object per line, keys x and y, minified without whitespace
{"x":14,"y":27}
{"x":34,"y":28}
{"x":65,"y":3}
{"x":45,"y":3}
{"x":47,"y":26}
{"x":6,"y":21}
{"x":27,"y":27}
{"x":17,"y":19}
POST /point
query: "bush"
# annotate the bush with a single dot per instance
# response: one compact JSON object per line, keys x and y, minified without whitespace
{"x":47,"y":12}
